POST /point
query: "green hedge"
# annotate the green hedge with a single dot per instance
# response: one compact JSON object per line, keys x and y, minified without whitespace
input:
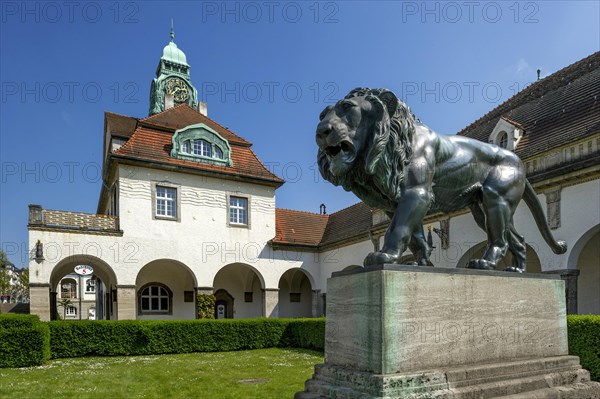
{"x":24,"y":341}
{"x":131,"y":337}
{"x":584,"y":341}
{"x":11,"y":320}
{"x":305,"y":333}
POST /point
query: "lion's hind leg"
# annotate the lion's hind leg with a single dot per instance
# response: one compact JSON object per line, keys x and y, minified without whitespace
{"x":516,"y":245}
{"x":420,"y":249}
{"x":498,"y":208}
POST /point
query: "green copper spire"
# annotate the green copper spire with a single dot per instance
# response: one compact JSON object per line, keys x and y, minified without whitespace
{"x":172,"y":84}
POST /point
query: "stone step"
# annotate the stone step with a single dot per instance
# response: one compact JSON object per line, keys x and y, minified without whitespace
{"x":461,"y":376}
{"x":556,"y":377}
{"x":522,"y":385}
{"x":588,"y":390}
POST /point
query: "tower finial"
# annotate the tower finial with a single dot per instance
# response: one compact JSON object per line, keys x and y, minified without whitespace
{"x":172,"y":31}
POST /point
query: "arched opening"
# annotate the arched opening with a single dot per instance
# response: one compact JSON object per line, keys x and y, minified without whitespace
{"x":223,"y":305}
{"x":585,"y":255}
{"x":533,"y":264}
{"x":502,"y":139}
{"x":165,"y":290}
{"x":244,"y":285}
{"x":73,"y":295}
{"x":295,"y":294}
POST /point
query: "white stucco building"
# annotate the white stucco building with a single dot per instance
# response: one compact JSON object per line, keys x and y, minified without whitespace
{"x":186,"y":207}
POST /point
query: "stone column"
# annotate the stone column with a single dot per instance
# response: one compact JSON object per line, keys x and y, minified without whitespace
{"x":126,"y":303}
{"x":570,"y":278}
{"x":39,"y":300}
{"x":270,"y":302}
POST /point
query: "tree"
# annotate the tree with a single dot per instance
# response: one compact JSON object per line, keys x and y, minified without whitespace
{"x":22,"y":287}
{"x":4,"y":277}
{"x":4,"y":284}
{"x":3,"y":258}
{"x":65,"y":303}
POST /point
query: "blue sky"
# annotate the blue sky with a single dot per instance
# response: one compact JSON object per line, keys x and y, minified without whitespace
{"x":266,"y":69}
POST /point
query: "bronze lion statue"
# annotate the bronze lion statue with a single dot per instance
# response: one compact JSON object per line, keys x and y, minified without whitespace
{"x":370,"y":143}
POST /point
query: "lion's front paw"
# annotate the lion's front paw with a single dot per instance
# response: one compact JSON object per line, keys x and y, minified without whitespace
{"x":379,"y":258}
{"x":514,"y":269}
{"x":481,"y":264}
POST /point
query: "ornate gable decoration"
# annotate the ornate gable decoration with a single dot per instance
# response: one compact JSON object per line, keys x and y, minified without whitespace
{"x":506,"y":134}
{"x":200,"y":143}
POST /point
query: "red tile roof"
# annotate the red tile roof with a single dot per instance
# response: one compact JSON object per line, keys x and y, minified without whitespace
{"x":354,"y":220}
{"x":554,"y":111}
{"x":151,"y":142}
{"x":312,"y":229}
{"x":300,"y":228}
{"x":120,"y":125}
{"x":183,"y":115}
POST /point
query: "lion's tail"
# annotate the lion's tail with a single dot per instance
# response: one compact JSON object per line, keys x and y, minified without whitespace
{"x":530,"y":198}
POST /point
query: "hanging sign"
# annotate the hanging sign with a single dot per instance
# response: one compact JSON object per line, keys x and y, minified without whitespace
{"x":84,"y":270}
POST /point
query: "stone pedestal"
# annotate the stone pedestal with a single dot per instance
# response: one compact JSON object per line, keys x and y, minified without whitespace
{"x":423,"y":333}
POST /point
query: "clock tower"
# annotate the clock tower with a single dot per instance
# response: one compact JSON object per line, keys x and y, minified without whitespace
{"x":172,"y":85}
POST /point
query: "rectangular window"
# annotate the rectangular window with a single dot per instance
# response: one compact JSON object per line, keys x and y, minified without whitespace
{"x":248,"y":296}
{"x":90,"y":286}
{"x":71,"y":311}
{"x":238,"y":210}
{"x":294,"y":297}
{"x":188,"y":296}
{"x":166,"y":201}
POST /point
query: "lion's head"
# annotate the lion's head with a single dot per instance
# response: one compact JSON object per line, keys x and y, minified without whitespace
{"x":364,"y":140}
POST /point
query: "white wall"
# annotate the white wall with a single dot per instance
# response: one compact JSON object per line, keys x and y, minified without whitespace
{"x":203,"y":243}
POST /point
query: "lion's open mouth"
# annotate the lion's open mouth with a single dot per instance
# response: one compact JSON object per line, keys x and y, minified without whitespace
{"x":345,"y":147}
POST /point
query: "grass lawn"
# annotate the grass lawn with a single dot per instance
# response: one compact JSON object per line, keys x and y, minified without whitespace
{"x":266,"y":373}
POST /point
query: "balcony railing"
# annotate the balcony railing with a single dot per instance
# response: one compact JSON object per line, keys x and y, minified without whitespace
{"x":39,"y":217}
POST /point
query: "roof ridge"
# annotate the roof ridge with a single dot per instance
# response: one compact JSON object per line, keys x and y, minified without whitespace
{"x":167,"y":110}
{"x":226,"y":128}
{"x":521,"y":97}
{"x":351,"y":206}
{"x":151,"y":118}
{"x":123,"y":115}
{"x":300,"y":211}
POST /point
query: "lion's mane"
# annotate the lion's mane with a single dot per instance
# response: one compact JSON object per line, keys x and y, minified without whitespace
{"x":387,"y":151}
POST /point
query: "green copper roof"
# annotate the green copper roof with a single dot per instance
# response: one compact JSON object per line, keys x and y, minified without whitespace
{"x":173,"y":54}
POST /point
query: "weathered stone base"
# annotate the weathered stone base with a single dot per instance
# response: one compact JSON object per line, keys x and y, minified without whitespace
{"x":558,"y":377}
{"x":402,"y":332}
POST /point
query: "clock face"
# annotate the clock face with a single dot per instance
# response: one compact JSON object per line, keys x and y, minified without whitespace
{"x":178,"y":89}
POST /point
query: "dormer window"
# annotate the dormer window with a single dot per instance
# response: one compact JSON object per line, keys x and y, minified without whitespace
{"x":202,"y":148}
{"x":507,"y":134}
{"x":202,"y":144}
